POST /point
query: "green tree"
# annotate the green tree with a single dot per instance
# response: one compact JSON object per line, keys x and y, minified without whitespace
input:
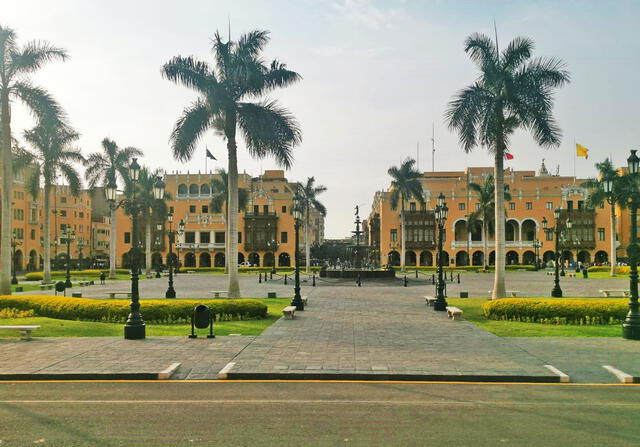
{"x":229,"y":99}
{"x":16,"y":65}
{"x":598,"y":196}
{"x":484,"y":215}
{"x":512,"y":91}
{"x":103,"y":168}
{"x":405,"y":185}
{"x":53,"y":156}
{"x":308,"y":193}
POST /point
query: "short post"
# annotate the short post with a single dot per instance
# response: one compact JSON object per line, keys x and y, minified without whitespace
{"x":405,"y":280}
{"x":458,"y":278}
{"x":259,"y":277}
{"x":285,"y":279}
{"x":314,"y":280}
{"x":416,"y":273}
{"x":359,"y":281}
{"x":270,"y":274}
{"x":433,"y":278}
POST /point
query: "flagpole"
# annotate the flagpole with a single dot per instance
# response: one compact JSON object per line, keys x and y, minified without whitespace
{"x":575,"y":156}
{"x":205,"y":159}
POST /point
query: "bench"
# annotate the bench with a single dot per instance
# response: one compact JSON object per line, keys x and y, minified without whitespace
{"x":189,"y":271}
{"x":25,"y":331}
{"x":571,"y":274}
{"x":289,"y":312}
{"x":615,"y":292}
{"x":304,"y":300}
{"x":112,"y":295}
{"x":550,"y":272}
{"x":217,"y":293}
{"x":429,"y":300}
{"x":47,"y":286}
{"x":84,"y":283}
{"x":454,"y":313}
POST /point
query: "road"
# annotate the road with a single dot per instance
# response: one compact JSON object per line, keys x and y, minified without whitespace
{"x":317,"y":414}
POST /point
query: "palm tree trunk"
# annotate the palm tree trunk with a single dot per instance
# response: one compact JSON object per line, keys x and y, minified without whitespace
{"x":306,"y":239}
{"x":485,"y":261}
{"x":234,"y":286}
{"x":499,"y":290}
{"x":613,"y":256}
{"x":112,"y":246}
{"x":47,"y":234}
{"x":7,"y":193}
{"x":147,"y":248}
{"x":402,"y":239}
{"x":226,"y":239}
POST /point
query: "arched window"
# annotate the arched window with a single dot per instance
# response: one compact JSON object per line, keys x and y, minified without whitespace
{"x":182,"y":190}
{"x":194,"y":190}
{"x":205,"y":190}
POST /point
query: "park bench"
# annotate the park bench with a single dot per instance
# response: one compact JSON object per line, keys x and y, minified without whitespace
{"x":189,"y":271}
{"x":218,"y":293}
{"x":304,"y":300}
{"x":112,"y":295}
{"x":615,"y":292}
{"x":511,"y":293}
{"x":47,"y":286}
{"x":429,"y":300}
{"x":454,"y":313}
{"x":84,"y":283}
{"x":25,"y":331}
{"x":551,"y":272}
{"x":571,"y":274}
{"x":289,"y":312}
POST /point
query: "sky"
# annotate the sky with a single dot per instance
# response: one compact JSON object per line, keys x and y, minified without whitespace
{"x":377,"y":75}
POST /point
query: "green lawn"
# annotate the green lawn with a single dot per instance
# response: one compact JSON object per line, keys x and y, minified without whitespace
{"x":605,"y":275}
{"x":473,"y":312}
{"x":52,"y":327}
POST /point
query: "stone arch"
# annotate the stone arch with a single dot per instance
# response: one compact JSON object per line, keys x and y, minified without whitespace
{"x":240,"y":258}
{"x":269,"y":260}
{"x":567,"y":256}
{"x":254,"y":259}
{"x":182,"y":189}
{"x":205,"y":260}
{"x":511,"y":230}
{"x":512,"y":257}
{"x":445,"y":259}
{"x":205,"y":189}
{"x":426,"y":258}
{"x":529,"y":229}
{"x":476,"y":231}
{"x":156,"y":260}
{"x":548,"y":256}
{"x":172,"y":259}
{"x":602,"y":257}
{"x":189,"y":259}
{"x":33,"y":260}
{"x":284,"y":260}
{"x":194,"y":190}
{"x":492,"y":257}
{"x":584,"y":257}
{"x":460,"y":230}
{"x":393,"y":258}
{"x":18,"y":260}
{"x":219,"y":259}
{"x":410,"y":258}
{"x":477,"y":258}
{"x":529,"y":258}
{"x":462,"y":258}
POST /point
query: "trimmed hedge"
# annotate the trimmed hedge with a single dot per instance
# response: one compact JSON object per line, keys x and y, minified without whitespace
{"x":622,"y":270}
{"x":116,"y":311}
{"x":243,"y":269}
{"x":557,"y":311}
{"x":39,"y":276}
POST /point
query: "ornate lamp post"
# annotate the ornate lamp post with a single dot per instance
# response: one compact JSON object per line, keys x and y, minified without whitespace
{"x":441,"y":212}
{"x":273,"y":246}
{"x":158,"y":247}
{"x":297,"y":216}
{"x":171,"y":293}
{"x":14,"y":244}
{"x":537,"y":245}
{"x":80,"y":244}
{"x":69,"y":235}
{"x":556,"y":292}
{"x":631,"y":325}
{"x":181,"y":226}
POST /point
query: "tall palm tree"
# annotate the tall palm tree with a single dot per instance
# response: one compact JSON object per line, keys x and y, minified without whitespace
{"x":106,"y":167}
{"x":512,"y":91}
{"x":16,"y":64}
{"x":53,"y":155}
{"x":308,"y":193}
{"x":405,"y":185}
{"x":485,"y":211}
{"x":219,"y":198}
{"x":228,"y":99}
{"x":598,"y":196}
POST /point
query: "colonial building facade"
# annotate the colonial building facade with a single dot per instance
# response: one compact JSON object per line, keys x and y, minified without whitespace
{"x":534,"y":197}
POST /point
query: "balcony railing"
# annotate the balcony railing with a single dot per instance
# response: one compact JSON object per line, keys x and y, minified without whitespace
{"x":201,"y":245}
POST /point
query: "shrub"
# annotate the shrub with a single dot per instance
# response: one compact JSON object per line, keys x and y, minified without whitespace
{"x":623,"y":270}
{"x":116,"y":311}
{"x":557,"y":311}
{"x":34,"y":276}
{"x":16,"y":313}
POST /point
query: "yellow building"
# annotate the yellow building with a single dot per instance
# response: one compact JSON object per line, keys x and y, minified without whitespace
{"x":534,"y":196}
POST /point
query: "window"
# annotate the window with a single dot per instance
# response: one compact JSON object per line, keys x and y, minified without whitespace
{"x":601,"y":234}
{"x":512,"y":205}
{"x":570,"y":205}
{"x":256,"y":209}
{"x":205,"y":209}
{"x":549,"y":235}
{"x":239,"y":237}
{"x":34,"y":215}
{"x":580,"y":204}
{"x":423,"y":206}
{"x":190,"y":237}
{"x":284,"y":209}
{"x":127,"y":237}
{"x":32,"y":235}
{"x":63,"y":213}
{"x":81,"y":229}
{"x":18,"y":214}
{"x":219,"y":238}
{"x":63,"y":199}
{"x":461,"y":206}
{"x":182,"y":190}
{"x":19,"y":233}
{"x":205,"y":237}
{"x":529,"y":205}
{"x":394,"y":235}
{"x":284,"y":237}
{"x":81,"y":216}
{"x":63,"y":227}
{"x":412,"y":206}
{"x":170,"y":210}
{"x":192,"y":208}
{"x":265,"y":209}
{"x":549,"y":205}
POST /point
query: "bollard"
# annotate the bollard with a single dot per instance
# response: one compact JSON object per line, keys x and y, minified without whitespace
{"x":458,"y":278}
{"x":451,"y":277}
{"x":314,"y":280}
{"x":359,"y":282}
{"x":285,"y":279}
{"x":259,"y":277}
{"x":416,"y":273}
{"x":405,"y":280}
{"x":433,"y":278}
{"x":270,"y":274}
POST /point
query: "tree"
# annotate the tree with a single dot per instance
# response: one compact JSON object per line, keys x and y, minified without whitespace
{"x":103,"y":168}
{"x":17,"y":63}
{"x":308,"y":193}
{"x":405,"y":185}
{"x":219,"y":197}
{"x":229,"y":94}
{"x":485,"y":211}
{"x":512,"y":91}
{"x":53,"y":156}
{"x":598,"y":196}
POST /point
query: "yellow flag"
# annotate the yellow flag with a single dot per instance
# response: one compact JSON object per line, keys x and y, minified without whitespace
{"x":582,"y":151}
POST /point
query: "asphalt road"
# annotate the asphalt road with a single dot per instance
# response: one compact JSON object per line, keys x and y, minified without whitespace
{"x":316,"y":414}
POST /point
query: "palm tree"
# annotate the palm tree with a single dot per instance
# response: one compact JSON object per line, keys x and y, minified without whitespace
{"x":512,"y":91}
{"x":228,"y":99}
{"x":308,"y":192}
{"x":219,"y":197}
{"x":103,"y":168}
{"x":405,"y":185}
{"x":53,"y":156}
{"x":17,"y":63}
{"x":598,"y":196}
{"x":485,"y":211}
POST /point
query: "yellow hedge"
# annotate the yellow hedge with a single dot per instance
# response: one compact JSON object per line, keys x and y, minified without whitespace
{"x":557,"y":310}
{"x":116,"y":311}
{"x":622,"y":270}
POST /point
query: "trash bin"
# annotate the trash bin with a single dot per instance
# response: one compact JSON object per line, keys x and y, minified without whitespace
{"x":464,"y":294}
{"x":201,"y":318}
{"x":76,"y":295}
{"x":60,"y":287}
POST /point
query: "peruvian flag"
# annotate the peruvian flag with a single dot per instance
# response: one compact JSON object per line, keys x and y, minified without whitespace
{"x":508,"y":156}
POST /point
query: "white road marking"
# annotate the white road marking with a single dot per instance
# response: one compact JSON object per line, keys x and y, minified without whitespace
{"x":563,"y":377}
{"x":621,"y":375}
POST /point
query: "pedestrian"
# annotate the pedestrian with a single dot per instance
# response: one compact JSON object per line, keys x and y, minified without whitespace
{"x":103,"y":276}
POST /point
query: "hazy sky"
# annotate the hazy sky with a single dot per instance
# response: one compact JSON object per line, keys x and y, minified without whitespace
{"x":376,"y":74}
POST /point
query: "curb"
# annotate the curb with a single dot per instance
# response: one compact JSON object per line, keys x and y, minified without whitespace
{"x":392,"y":377}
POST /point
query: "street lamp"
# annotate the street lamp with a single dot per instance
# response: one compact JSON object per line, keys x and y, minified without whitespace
{"x":441,"y":213}
{"x":537,"y":245}
{"x":158,"y":247}
{"x":297,"y":216}
{"x":171,"y":293}
{"x":69,"y":235}
{"x":273,"y":246}
{"x":181,"y":226}
{"x":14,"y":244}
{"x":80,"y":244}
{"x":631,"y":325}
{"x":556,"y":292}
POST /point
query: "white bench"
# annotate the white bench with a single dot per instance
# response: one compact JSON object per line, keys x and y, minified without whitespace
{"x":25,"y":331}
{"x":571,"y":274}
{"x":551,"y":272}
{"x":112,"y":295}
{"x":218,"y":293}
{"x":429,"y":300}
{"x":289,"y":312}
{"x":615,"y":292}
{"x":47,"y":286}
{"x":511,"y":293}
{"x":454,"y":313}
{"x":84,"y":283}
{"x":304,"y":300}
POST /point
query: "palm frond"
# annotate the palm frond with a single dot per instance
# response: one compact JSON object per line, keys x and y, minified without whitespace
{"x":188,"y":130}
{"x":189,"y":72}
{"x":39,"y":102}
{"x":34,"y":55}
{"x":72,"y":176}
{"x":518,"y":51}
